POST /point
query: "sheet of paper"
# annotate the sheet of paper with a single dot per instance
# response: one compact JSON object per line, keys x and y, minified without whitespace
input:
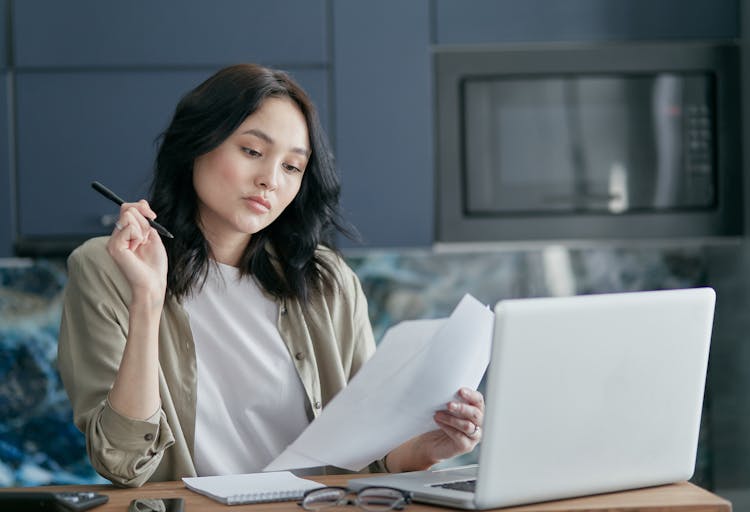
{"x":417,"y":368}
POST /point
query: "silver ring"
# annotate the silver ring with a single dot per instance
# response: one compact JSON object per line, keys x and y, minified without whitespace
{"x":118,"y":226}
{"x":475,"y":433}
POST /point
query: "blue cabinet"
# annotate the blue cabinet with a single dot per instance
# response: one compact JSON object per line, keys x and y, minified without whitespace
{"x":7,"y":225}
{"x":7,"y":213}
{"x":107,"y":33}
{"x":3,"y":38}
{"x":74,"y":128}
{"x":501,"y":21}
{"x":382,"y":77}
{"x":97,"y":81}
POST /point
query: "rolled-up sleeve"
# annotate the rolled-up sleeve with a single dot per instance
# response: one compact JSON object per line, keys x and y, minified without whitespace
{"x":127,"y":450}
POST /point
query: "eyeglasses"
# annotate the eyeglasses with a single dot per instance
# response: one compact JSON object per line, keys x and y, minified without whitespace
{"x":372,"y":499}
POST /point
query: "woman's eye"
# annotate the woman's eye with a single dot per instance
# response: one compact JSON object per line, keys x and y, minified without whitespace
{"x":251,"y":152}
{"x":291,"y":168}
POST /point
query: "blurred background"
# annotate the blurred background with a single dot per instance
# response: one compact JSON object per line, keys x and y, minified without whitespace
{"x":503,"y":148}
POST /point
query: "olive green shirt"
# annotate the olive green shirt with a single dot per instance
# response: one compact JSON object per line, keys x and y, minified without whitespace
{"x":328,"y":342}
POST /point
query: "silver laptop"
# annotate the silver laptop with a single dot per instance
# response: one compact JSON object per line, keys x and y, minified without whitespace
{"x":584,"y":395}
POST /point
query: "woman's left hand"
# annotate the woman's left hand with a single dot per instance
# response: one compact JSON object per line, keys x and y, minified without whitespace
{"x":460,"y":429}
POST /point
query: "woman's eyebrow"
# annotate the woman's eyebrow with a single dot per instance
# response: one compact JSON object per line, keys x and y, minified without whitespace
{"x":259,"y":133}
{"x":264,"y":136}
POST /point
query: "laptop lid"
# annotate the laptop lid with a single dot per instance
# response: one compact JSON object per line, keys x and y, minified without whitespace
{"x":584,"y":395}
{"x":592,"y":394}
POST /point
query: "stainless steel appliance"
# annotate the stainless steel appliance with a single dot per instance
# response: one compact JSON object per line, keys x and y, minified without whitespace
{"x":568,"y":142}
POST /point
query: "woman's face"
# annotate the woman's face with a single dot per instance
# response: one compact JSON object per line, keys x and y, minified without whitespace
{"x":244,"y":184}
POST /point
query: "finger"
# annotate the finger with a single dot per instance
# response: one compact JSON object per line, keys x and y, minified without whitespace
{"x":472,"y":396}
{"x":131,"y":235}
{"x":459,"y":437}
{"x":466,"y":411}
{"x":152,"y":235}
{"x":142,"y":206}
{"x":135,"y":209}
{"x":465,"y":426}
{"x":145,"y":209}
{"x":476,"y":434}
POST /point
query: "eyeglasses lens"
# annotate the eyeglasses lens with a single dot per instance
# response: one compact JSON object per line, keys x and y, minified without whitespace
{"x":324,"y":498}
{"x":376,"y":499}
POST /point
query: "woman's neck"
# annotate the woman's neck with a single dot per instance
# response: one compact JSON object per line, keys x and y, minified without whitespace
{"x":228,"y":251}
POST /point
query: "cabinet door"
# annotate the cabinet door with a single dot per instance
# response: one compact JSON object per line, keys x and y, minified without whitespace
{"x":384,"y":119}
{"x":6,"y":213}
{"x":77,"y":127}
{"x":97,"y":81}
{"x":84,"y":33}
{"x":74,"y":128}
{"x":3,"y":38}
{"x":494,"y":21}
{"x":7,"y":217}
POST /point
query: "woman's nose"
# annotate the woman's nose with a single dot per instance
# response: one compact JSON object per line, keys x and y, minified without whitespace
{"x":267,"y":178}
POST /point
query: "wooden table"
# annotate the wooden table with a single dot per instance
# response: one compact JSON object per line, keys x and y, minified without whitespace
{"x":682,"y":496}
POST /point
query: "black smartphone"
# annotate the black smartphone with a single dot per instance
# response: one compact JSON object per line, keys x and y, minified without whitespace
{"x":60,"y":501}
{"x":156,"y":505}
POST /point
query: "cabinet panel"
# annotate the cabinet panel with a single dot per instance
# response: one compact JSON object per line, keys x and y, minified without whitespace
{"x":316,"y":83}
{"x":384,"y":119}
{"x":6,"y":214}
{"x":490,"y":21}
{"x":3,"y":39}
{"x":74,"y":128}
{"x":168,"y":32}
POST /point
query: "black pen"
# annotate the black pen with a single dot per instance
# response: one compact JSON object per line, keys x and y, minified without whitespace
{"x":118,"y":200}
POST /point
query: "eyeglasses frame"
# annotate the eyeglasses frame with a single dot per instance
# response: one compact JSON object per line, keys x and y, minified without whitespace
{"x":345,"y":500}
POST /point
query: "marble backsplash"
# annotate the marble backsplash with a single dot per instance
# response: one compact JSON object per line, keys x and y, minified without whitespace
{"x":38,"y":442}
{"x":40,"y":445}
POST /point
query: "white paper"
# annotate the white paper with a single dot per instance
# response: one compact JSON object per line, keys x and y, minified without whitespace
{"x":416,"y":370}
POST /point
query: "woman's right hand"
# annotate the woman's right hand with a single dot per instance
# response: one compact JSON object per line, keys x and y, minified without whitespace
{"x":139,"y":252}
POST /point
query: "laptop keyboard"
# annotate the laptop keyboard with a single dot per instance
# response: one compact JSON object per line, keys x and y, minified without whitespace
{"x":465,"y":485}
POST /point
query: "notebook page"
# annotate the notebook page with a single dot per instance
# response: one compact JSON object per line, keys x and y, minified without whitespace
{"x":251,"y":487}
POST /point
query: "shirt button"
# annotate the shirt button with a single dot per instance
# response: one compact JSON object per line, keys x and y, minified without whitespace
{"x":149,"y":437}
{"x":299,"y":356}
{"x":317,"y":404}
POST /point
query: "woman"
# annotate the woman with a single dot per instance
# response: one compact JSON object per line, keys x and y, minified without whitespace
{"x":210,"y":352}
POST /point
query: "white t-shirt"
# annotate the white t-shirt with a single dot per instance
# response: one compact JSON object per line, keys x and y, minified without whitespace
{"x":251,"y":401}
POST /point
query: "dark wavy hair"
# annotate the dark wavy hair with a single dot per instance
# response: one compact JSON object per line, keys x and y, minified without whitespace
{"x":282,"y":257}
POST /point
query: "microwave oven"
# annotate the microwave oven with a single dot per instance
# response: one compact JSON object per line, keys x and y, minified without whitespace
{"x":588,"y":142}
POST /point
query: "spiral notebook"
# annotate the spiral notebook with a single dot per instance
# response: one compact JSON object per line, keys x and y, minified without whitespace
{"x":251,"y":487}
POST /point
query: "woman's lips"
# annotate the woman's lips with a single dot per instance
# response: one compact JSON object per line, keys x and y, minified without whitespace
{"x":258,"y":204}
